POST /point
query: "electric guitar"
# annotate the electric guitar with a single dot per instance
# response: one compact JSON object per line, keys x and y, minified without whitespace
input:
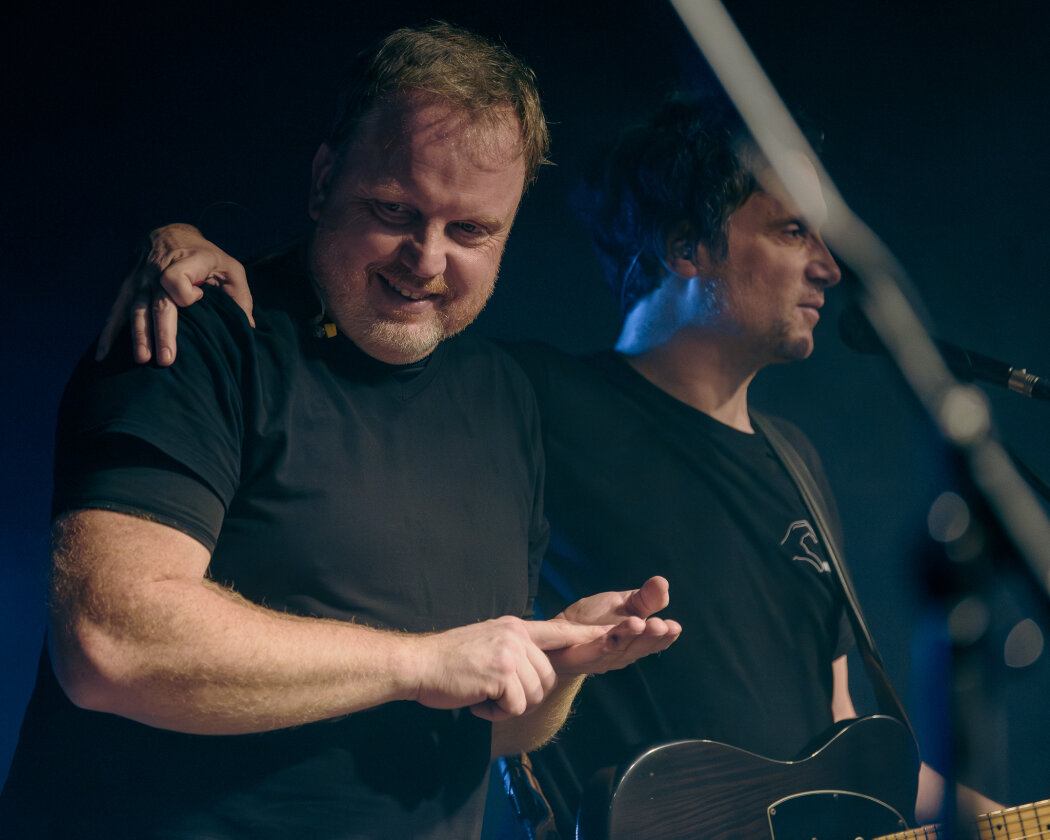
{"x":858,"y":784}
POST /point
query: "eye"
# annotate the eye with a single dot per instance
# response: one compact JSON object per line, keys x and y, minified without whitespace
{"x":470,"y":232}
{"x":796,"y":230}
{"x":391,"y":211}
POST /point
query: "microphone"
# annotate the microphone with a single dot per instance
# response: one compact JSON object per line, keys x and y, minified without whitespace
{"x":858,"y":334}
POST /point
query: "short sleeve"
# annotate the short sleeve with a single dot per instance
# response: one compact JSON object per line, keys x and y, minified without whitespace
{"x":164,"y":443}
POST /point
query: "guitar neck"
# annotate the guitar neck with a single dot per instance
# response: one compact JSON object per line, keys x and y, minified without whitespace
{"x":1030,"y":822}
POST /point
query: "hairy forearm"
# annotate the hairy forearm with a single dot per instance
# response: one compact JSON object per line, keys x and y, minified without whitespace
{"x":532,"y":731}
{"x":185,"y":654}
{"x":137,"y":630}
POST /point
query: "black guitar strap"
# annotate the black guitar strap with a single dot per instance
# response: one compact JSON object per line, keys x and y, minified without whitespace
{"x":889,"y":702}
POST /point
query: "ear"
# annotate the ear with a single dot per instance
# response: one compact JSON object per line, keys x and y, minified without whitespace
{"x":321,"y":177}
{"x":684,"y":255}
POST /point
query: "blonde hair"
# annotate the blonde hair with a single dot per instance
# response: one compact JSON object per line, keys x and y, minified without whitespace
{"x":448,"y":62}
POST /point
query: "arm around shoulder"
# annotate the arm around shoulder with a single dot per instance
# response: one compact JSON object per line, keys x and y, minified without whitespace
{"x":173,"y":266}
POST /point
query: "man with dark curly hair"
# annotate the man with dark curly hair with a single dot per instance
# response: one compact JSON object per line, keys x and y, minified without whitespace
{"x":656,"y":459}
{"x":652,"y":452}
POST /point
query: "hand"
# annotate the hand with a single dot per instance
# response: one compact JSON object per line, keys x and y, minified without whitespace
{"x":498,"y":668}
{"x":169,"y":275}
{"x":634,"y":631}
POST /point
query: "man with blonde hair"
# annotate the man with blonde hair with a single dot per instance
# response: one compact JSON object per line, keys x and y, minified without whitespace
{"x":290,"y":574}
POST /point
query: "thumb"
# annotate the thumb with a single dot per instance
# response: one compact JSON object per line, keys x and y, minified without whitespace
{"x":651,"y":597}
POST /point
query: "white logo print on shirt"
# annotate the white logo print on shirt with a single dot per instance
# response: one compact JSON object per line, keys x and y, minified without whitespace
{"x":802,"y":541}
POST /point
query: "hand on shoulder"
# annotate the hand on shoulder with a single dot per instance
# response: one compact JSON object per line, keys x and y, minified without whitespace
{"x":169,"y":274}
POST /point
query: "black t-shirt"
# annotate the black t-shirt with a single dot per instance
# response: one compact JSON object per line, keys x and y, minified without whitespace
{"x":328,"y":484}
{"x":639,"y":483}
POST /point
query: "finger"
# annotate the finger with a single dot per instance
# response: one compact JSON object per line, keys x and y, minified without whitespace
{"x":118,"y":316}
{"x":235,"y":283}
{"x":622,"y":635}
{"x":182,"y":278}
{"x":651,"y":597}
{"x":165,"y":327}
{"x":658,"y":636}
{"x":560,"y":633}
{"x":512,"y":701}
{"x":141,"y":327}
{"x":534,"y":679}
{"x":186,"y":271}
{"x":542,"y":678}
{"x":490,"y":711}
{"x":624,"y":644}
{"x":601,"y":654}
{"x":529,"y":692}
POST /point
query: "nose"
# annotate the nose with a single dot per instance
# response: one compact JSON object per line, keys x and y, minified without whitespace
{"x":822,"y":268}
{"x":423,"y":253}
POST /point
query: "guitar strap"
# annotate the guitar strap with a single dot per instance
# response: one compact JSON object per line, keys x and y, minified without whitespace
{"x":889,"y":702}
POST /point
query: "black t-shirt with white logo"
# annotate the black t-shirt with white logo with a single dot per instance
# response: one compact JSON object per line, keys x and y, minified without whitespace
{"x":639,"y":483}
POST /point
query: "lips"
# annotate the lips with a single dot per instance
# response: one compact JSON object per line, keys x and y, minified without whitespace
{"x":408,"y":291}
{"x":813,"y":308}
{"x":404,"y":291}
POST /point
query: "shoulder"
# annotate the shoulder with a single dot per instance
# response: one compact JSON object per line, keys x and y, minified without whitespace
{"x":808,"y":452}
{"x":210,"y":333}
{"x":794,"y":435}
{"x":552,"y":372}
{"x":215,"y":315}
{"x":125,"y":432}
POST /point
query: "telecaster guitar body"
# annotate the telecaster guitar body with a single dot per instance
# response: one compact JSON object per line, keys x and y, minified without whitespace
{"x":859,"y":783}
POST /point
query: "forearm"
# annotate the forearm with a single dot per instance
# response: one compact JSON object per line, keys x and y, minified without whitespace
{"x":931,"y":798}
{"x":532,"y":731}
{"x":634,"y":632}
{"x":137,"y":630}
{"x":187,"y":655}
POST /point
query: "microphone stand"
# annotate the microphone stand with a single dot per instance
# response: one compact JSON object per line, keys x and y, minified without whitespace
{"x":999,"y":501}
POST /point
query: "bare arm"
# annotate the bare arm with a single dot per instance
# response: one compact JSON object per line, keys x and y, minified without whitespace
{"x":138,"y":630}
{"x":931,"y":798}
{"x":530,"y":732}
{"x":841,"y":701}
{"x":169,"y":274}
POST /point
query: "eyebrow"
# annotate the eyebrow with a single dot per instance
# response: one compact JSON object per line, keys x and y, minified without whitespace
{"x":494,"y":223}
{"x":779,"y":215}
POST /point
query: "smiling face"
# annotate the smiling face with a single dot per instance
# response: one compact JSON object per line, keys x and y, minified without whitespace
{"x":770,"y":287}
{"x":412,"y":219}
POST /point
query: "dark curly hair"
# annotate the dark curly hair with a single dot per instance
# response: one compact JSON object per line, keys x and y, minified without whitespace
{"x":694,"y":163}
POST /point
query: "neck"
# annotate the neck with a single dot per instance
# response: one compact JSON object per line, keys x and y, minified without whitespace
{"x":700,"y":367}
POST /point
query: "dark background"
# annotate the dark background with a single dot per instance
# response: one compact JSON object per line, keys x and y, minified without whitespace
{"x":935,"y":116}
